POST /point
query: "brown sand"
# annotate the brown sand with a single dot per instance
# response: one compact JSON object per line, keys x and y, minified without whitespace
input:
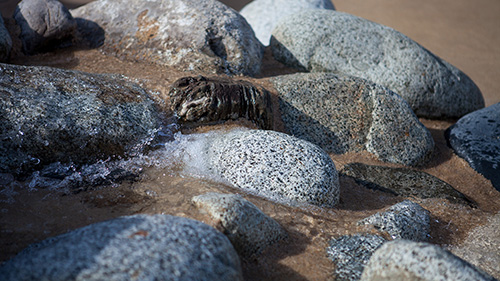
{"x":447,"y":29}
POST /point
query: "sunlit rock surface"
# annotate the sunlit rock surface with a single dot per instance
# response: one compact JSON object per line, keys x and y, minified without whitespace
{"x":194,"y":35}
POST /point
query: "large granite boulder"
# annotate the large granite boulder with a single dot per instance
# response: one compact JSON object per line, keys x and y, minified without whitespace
{"x":45,"y":24}
{"x":476,"y":138}
{"x":248,"y":228}
{"x":139,"y":247}
{"x":351,"y":253}
{"x":52,"y":115}
{"x":403,"y":182}
{"x":263,"y":15}
{"x":344,"y":113}
{"x":406,"y":260}
{"x":194,"y":35}
{"x":5,"y":42}
{"x":329,"y":41}
{"x":405,"y":220}
{"x":275,"y":166}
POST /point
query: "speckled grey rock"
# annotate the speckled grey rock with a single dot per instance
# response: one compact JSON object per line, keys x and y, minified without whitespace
{"x":329,"y":41}
{"x":263,"y":15}
{"x":193,"y":35}
{"x":344,"y":113}
{"x":406,"y":260}
{"x":44,"y":24}
{"x":139,"y":247}
{"x":275,"y":166}
{"x":5,"y":42}
{"x":53,"y":115}
{"x":481,"y":247}
{"x":403,"y":182}
{"x":248,"y":228}
{"x":476,"y":138}
{"x":350,"y":254}
{"x":405,"y":220}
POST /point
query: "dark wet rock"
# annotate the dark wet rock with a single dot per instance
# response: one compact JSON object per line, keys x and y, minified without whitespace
{"x":343,"y":113}
{"x":248,"y":228}
{"x":329,"y":41}
{"x":263,"y":15}
{"x":406,"y":260}
{"x":199,"y":35}
{"x":51,"y":115}
{"x":45,"y":25}
{"x":203,"y":100}
{"x":476,"y":138}
{"x":275,"y":166}
{"x":139,"y":247}
{"x":405,"y":220}
{"x":5,"y":42}
{"x":478,"y":247}
{"x":351,"y":253}
{"x":403,"y":182}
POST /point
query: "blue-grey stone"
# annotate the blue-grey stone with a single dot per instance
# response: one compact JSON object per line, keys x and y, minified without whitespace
{"x":139,"y":247}
{"x":418,"y":261}
{"x":193,"y":35}
{"x":248,"y":228}
{"x":5,"y":42}
{"x":263,"y":15}
{"x":44,"y":24}
{"x":405,"y":220}
{"x":476,"y":138}
{"x":330,"y":41}
{"x":344,"y":113}
{"x":350,"y":253}
{"x":53,"y":115}
{"x":276,"y":166}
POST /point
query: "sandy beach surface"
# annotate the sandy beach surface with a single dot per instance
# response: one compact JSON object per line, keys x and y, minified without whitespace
{"x":464,"y":33}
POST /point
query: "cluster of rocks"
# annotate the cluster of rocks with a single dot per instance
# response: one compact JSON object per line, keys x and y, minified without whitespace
{"x":374,"y":83}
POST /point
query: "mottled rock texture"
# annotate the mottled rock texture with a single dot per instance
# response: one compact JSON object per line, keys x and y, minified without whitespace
{"x":403,"y":182}
{"x":476,"y":138}
{"x":350,"y":254}
{"x":139,"y":247}
{"x":263,"y":15}
{"x":5,"y":42}
{"x":52,"y":115}
{"x":275,"y":166}
{"x":406,"y":260}
{"x":344,"y":113}
{"x":198,"y":100}
{"x":248,"y":228}
{"x":45,"y":25}
{"x":405,"y":220}
{"x":330,"y":41}
{"x":198,"y":35}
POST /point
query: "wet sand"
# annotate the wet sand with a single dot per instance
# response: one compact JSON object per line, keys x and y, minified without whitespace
{"x":35,"y":214}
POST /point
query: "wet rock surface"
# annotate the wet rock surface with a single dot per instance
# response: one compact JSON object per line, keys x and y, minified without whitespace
{"x":263,"y":15}
{"x":405,"y":220}
{"x":193,"y":35}
{"x":476,"y":138}
{"x":139,"y":247}
{"x":275,"y":166}
{"x":198,"y":100}
{"x":44,"y":24}
{"x":343,"y":113}
{"x":330,"y":41}
{"x":5,"y":42}
{"x":403,"y":182}
{"x":248,"y":228}
{"x":351,"y":253}
{"x":403,"y":259}
{"x":52,"y":115}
